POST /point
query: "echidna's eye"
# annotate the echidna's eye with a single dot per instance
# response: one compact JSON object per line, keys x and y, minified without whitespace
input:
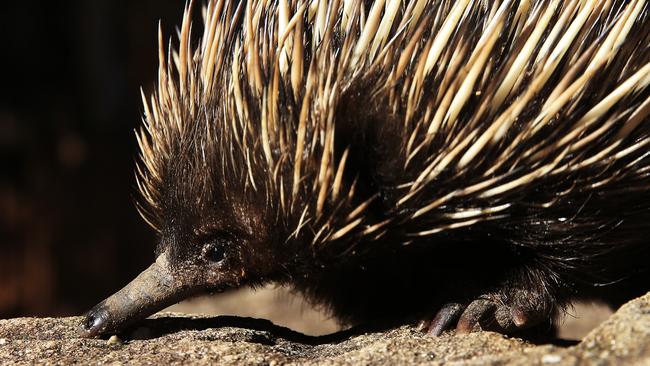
{"x":215,"y":252}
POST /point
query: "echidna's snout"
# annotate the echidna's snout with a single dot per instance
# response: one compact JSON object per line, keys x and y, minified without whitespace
{"x":154,"y":289}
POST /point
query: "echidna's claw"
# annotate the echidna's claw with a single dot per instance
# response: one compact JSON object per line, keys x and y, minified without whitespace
{"x":478,"y":311}
{"x":445,"y":319}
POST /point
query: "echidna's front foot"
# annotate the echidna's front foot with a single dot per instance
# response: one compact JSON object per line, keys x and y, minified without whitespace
{"x":485,"y":313}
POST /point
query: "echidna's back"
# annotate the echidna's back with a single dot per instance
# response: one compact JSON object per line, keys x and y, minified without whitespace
{"x":503,"y":109}
{"x":530,"y":124}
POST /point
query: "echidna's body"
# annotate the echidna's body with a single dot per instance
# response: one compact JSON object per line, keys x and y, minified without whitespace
{"x":394,"y":158}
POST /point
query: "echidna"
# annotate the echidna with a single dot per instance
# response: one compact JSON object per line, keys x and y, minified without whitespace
{"x":472,"y":163}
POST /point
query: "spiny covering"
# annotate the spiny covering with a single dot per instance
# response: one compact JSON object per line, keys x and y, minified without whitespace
{"x":352,"y":119}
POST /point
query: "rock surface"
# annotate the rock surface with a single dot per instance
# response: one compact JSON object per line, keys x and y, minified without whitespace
{"x":178,"y":339}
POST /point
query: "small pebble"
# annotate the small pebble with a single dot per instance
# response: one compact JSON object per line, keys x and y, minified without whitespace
{"x":3,"y":341}
{"x":551,"y":359}
{"x":114,"y":341}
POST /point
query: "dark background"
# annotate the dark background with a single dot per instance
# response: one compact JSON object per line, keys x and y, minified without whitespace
{"x":69,"y":102}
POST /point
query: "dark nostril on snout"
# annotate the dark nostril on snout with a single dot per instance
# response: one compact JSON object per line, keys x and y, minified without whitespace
{"x":90,"y":322}
{"x":94,"y":321}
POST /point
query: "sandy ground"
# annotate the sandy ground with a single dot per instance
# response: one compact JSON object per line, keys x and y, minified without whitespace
{"x":175,"y":339}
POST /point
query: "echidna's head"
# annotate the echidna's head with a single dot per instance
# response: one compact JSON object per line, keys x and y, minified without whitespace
{"x":212,"y":236}
{"x":216,"y":229}
{"x":238,"y":173}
